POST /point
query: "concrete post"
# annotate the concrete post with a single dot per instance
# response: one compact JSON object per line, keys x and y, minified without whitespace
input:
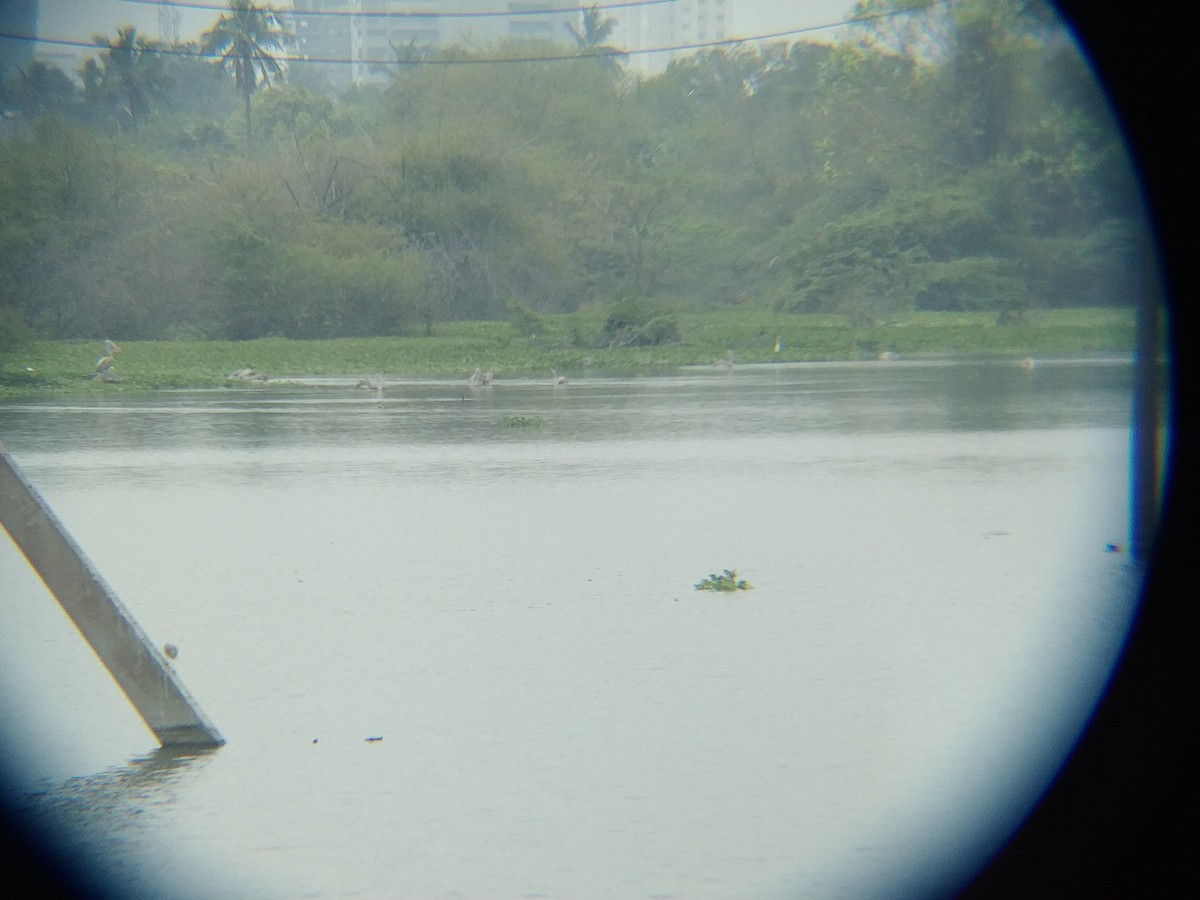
{"x":139,"y":669}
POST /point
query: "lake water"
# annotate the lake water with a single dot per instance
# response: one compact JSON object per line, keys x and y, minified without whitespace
{"x":499,"y":583}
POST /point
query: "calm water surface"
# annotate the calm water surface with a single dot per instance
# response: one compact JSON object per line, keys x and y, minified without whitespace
{"x":498,"y":582}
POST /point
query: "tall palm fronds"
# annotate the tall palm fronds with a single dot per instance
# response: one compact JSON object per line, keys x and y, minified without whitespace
{"x":590,"y":39}
{"x":247,"y":40}
{"x":130,"y":73}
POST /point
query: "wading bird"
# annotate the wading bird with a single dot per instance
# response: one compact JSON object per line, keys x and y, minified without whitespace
{"x":558,"y":379}
{"x":247,"y":375}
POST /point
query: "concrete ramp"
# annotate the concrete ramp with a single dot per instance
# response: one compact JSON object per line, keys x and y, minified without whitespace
{"x":142,"y":672}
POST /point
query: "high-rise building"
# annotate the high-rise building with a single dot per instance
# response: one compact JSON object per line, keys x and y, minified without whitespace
{"x":17,"y":17}
{"x":371,"y":32}
{"x":662,"y":26}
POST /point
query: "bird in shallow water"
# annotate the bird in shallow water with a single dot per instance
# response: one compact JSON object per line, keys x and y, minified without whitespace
{"x":480,"y":378}
{"x":558,"y":379}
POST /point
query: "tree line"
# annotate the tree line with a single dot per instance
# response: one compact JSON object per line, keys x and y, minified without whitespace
{"x":955,"y":155}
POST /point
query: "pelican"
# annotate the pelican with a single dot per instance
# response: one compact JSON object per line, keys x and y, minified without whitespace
{"x":247,"y":375}
{"x":558,"y":379}
{"x":105,"y":363}
{"x":372,"y":384}
{"x":480,"y":378}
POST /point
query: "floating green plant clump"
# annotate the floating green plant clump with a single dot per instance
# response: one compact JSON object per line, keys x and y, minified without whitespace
{"x":727,"y":582}
{"x":522,"y":421}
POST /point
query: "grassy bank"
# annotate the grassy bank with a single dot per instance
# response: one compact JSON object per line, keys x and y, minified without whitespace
{"x":569,"y":343}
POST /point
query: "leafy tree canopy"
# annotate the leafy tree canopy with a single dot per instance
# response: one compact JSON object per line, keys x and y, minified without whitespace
{"x":955,"y":155}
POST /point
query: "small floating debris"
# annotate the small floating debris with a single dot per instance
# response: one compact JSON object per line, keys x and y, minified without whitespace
{"x":170,"y":651}
{"x":372,"y":740}
{"x":1112,"y":548}
{"x":726,"y":582}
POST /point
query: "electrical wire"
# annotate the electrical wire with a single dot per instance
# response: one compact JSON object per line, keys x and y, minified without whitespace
{"x":594,"y":53}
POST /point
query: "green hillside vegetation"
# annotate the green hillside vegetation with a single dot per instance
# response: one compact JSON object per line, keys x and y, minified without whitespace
{"x":958,"y":158}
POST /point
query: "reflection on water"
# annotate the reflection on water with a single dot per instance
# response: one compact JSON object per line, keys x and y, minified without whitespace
{"x":498,"y":582}
{"x":101,"y":825}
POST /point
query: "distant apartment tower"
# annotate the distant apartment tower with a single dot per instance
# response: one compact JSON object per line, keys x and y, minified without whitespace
{"x":366,"y":32}
{"x":660,"y":26}
{"x":18,"y":17}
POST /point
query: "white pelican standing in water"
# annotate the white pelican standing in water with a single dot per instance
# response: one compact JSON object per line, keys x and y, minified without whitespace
{"x":247,"y":375}
{"x":374,"y":385}
{"x":480,"y":378}
{"x":558,"y":379}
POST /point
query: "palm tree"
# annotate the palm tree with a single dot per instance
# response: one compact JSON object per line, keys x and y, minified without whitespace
{"x":590,"y":39}
{"x":130,"y":73}
{"x":247,"y":39}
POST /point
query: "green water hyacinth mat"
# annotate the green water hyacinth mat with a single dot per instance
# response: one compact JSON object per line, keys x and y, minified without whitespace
{"x":726,"y":582}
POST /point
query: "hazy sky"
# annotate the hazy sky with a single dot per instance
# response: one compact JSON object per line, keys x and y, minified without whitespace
{"x":763,"y":16}
{"x":82,"y":18}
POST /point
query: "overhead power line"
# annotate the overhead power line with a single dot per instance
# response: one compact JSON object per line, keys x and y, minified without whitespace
{"x":598,"y":52}
{"x":413,"y":14}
